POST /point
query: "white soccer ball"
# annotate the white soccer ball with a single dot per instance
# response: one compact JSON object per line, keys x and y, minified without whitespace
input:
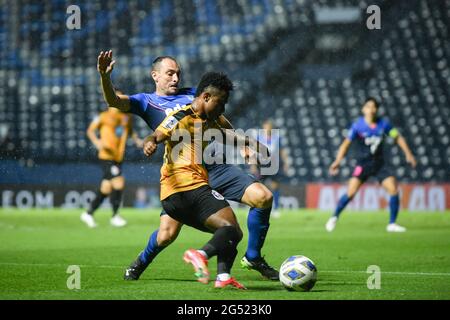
{"x":298,"y":273}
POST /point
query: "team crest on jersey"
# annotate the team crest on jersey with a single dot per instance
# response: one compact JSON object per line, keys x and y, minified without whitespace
{"x":217,"y":195}
{"x":170,"y":123}
{"x":115,"y":170}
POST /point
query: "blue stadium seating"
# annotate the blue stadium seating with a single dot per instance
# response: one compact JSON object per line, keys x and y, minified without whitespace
{"x":49,"y":87}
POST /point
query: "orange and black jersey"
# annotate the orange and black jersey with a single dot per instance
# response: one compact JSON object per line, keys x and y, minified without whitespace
{"x":114,"y":127}
{"x":183,"y":169}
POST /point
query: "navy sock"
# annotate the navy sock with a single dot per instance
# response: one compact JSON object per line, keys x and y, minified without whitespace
{"x":99,"y":197}
{"x":258,"y":225}
{"x":116,"y":199}
{"x":152,"y":249}
{"x":276,"y":199}
{"x":394,"y":204}
{"x":343,"y":201}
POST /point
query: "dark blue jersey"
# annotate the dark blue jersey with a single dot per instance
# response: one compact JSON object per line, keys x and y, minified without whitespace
{"x":153,"y":108}
{"x":369,"y":139}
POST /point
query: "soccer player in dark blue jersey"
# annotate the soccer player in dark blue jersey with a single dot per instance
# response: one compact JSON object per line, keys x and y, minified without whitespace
{"x":232,"y":182}
{"x":368,"y":132}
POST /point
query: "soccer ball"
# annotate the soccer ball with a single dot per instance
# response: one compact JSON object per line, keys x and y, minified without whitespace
{"x":298,"y":273}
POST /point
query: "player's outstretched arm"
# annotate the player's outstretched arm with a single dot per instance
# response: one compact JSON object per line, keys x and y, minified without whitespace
{"x":231,"y":136}
{"x":406,"y":150}
{"x":105,"y":65}
{"x":342,"y":151}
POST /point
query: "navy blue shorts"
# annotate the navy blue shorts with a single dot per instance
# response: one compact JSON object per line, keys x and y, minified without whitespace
{"x":229,"y":180}
{"x":365,"y":170}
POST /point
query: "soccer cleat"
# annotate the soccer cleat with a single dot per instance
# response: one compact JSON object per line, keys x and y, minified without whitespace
{"x":230,"y":282}
{"x":118,"y":221}
{"x":331,"y":224}
{"x":200,"y":264}
{"x":262,"y":267}
{"x":393,"y":227}
{"x":88,"y":219}
{"x":136,"y":268}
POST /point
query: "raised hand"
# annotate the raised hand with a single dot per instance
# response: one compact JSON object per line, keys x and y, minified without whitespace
{"x":105,"y":63}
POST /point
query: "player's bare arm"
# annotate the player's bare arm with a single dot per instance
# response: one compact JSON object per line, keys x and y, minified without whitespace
{"x":342,"y":151}
{"x":152,"y":141}
{"x":105,"y":65}
{"x":137,"y":141}
{"x":92,"y":135}
{"x":407,"y":151}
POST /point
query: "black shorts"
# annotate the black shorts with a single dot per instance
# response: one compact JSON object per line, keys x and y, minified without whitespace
{"x":229,"y":180}
{"x":111,"y":169}
{"x":194,"y":207}
{"x":365,"y":170}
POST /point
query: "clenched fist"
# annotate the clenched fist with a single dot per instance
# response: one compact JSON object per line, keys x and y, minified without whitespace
{"x":149,"y":147}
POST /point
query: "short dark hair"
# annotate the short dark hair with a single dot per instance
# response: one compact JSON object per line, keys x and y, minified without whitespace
{"x":159,"y":59}
{"x":216,"y":80}
{"x":375,"y":101}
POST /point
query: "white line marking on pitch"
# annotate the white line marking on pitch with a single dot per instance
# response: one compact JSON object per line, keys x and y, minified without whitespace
{"x":390,"y":272}
{"x":320,"y":271}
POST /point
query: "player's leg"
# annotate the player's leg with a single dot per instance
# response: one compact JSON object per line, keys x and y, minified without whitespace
{"x":223,"y":244}
{"x":260,"y":199}
{"x":390,"y":185}
{"x":103,"y":192}
{"x":118,"y":185}
{"x":236,"y":185}
{"x":207,"y":210}
{"x":353,"y":186}
{"x":168,"y":231}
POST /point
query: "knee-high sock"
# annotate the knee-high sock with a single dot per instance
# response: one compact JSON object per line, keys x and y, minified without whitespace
{"x":276,"y":199}
{"x":343,"y":201}
{"x":116,"y":199}
{"x":96,"y":202}
{"x":225,"y":260}
{"x":258,"y":225}
{"x":394,"y":204}
{"x":152,"y":249}
{"x":223,"y":240}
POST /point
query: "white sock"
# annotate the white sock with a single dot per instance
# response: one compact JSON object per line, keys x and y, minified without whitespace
{"x":223,"y":276}
{"x":203,"y":253}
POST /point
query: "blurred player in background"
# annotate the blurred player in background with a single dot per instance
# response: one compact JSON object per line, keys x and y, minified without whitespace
{"x":229,"y":180}
{"x":273,"y":142}
{"x":114,"y":128}
{"x":185,"y":193}
{"x":368,"y":133}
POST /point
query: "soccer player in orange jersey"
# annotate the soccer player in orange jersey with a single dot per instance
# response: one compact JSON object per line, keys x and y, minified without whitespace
{"x":114,"y":128}
{"x":185,"y":193}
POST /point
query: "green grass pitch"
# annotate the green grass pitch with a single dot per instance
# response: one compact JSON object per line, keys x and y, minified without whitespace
{"x":37,"y":246}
